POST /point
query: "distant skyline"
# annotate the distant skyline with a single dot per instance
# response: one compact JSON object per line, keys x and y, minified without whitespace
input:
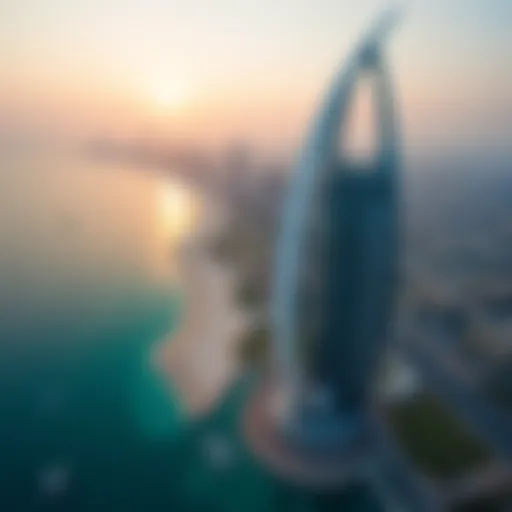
{"x":208,"y":72}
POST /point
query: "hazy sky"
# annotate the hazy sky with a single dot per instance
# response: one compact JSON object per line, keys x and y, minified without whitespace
{"x":215,"y":70}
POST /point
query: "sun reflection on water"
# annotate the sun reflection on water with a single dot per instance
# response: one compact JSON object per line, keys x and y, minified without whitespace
{"x":177,"y":210}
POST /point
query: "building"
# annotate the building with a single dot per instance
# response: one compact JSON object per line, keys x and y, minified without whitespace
{"x":336,"y":261}
{"x":335,"y":274}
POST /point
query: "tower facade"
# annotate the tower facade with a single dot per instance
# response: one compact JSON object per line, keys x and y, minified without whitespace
{"x":334,"y":283}
{"x":335,"y":264}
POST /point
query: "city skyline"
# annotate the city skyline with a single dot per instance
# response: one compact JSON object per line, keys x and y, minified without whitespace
{"x":208,"y":74}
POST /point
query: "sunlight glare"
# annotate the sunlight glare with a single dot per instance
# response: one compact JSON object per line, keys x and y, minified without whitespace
{"x":177,"y":209}
{"x":169,"y":96}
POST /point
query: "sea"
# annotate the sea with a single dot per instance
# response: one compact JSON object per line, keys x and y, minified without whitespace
{"x":90,"y":291}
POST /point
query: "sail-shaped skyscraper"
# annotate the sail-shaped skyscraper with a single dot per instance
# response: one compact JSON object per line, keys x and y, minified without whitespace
{"x":335,"y":274}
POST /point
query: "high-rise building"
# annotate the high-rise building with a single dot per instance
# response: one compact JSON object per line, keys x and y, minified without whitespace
{"x":335,"y":273}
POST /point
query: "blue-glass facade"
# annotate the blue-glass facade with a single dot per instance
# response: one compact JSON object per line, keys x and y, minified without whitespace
{"x":335,"y":269}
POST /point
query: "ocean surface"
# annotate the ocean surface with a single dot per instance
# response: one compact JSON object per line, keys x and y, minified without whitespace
{"x":90,"y":290}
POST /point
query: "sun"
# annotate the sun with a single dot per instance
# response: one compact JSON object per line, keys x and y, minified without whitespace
{"x":169,"y":96}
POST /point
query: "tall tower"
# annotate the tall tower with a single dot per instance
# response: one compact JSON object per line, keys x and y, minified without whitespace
{"x":334,"y":281}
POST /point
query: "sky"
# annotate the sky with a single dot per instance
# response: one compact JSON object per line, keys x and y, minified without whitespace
{"x":209,"y":72}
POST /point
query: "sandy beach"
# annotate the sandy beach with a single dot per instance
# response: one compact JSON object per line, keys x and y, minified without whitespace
{"x":200,"y":358}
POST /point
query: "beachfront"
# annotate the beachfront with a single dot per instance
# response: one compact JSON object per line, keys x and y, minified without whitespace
{"x":200,"y":358}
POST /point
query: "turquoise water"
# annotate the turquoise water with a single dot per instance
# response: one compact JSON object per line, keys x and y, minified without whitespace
{"x":87,"y":422}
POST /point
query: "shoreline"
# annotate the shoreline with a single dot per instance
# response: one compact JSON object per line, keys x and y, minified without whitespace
{"x":200,"y":358}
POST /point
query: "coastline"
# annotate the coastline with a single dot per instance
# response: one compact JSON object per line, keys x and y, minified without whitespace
{"x":200,"y":357}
